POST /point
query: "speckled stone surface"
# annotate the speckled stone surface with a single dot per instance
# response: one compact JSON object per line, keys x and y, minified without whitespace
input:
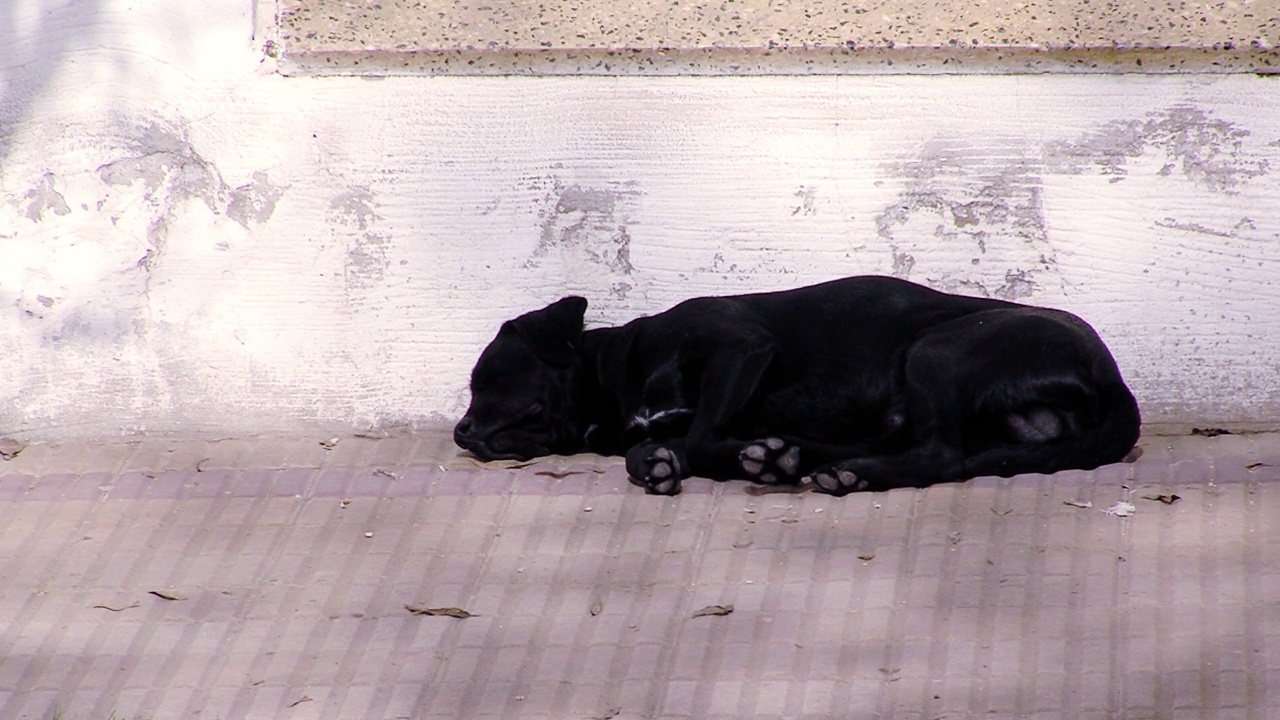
{"x":766,"y":37}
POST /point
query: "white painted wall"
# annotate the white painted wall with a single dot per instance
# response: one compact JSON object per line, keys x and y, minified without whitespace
{"x":190,"y":243}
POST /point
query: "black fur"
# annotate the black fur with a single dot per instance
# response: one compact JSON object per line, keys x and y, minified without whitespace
{"x":865,"y":383}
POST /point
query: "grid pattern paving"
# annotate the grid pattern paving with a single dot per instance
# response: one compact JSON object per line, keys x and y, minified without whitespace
{"x":279,"y":579}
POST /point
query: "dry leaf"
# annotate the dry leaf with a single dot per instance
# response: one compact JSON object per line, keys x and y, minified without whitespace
{"x":713,"y":610}
{"x":1210,"y":432}
{"x":452,"y":612}
{"x":560,"y":475}
{"x":115,"y":609}
{"x":1121,"y":509}
{"x":466,"y":461}
{"x":9,"y":448}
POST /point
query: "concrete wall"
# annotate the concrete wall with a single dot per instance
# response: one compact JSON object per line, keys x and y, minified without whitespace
{"x":193,"y":243}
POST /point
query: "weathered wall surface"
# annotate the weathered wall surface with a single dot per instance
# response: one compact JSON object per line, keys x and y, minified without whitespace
{"x":192,"y":243}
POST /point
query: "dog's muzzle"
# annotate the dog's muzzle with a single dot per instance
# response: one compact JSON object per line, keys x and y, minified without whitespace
{"x":467,"y":437}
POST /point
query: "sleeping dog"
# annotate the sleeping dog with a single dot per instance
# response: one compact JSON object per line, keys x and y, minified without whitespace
{"x":860,"y":384}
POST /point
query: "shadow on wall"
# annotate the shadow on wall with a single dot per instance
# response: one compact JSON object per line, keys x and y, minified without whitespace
{"x":36,"y":36}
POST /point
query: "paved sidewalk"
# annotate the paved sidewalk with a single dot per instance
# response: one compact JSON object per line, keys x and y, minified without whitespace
{"x":279,"y":579}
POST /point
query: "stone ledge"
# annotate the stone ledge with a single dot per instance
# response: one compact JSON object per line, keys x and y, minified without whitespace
{"x":596,"y":37}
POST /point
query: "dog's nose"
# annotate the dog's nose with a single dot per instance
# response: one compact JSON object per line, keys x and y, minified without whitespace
{"x":462,"y":432}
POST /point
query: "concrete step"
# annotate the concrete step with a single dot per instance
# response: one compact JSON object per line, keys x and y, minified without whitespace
{"x":605,"y":37}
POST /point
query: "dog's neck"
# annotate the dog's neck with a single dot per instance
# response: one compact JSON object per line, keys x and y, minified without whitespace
{"x":596,"y":407}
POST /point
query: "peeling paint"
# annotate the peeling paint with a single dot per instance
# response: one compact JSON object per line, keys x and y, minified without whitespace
{"x":1242,"y":229}
{"x":808,"y":200}
{"x":902,"y":264}
{"x":1202,"y":148}
{"x":1017,"y":284}
{"x":588,"y":223}
{"x":353,"y":208}
{"x":254,"y":202}
{"x":170,"y":171}
{"x":169,"y":168}
{"x":748,"y":265}
{"x":575,"y":199}
{"x":620,"y":290}
{"x":366,"y":260}
{"x":43,"y":198}
{"x":966,"y":220}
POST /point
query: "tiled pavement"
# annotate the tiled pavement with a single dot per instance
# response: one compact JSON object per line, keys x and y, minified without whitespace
{"x":272,"y":579}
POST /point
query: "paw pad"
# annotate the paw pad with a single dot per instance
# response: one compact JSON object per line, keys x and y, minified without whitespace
{"x":663,"y":472}
{"x":839,"y":482}
{"x":770,"y":461}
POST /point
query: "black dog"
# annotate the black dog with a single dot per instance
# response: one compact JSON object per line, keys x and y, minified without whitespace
{"x":866,"y":383}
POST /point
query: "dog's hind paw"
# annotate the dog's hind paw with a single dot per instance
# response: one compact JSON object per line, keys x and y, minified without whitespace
{"x":838,"y":481}
{"x":657,"y":468}
{"x":771,"y":461}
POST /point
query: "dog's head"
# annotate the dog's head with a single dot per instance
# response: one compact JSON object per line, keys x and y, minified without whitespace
{"x":522,"y":387}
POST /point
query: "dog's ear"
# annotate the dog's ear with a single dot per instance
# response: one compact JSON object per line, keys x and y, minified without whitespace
{"x":555,"y":331}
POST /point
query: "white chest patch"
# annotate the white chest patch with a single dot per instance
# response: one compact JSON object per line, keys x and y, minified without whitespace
{"x":645,"y":418}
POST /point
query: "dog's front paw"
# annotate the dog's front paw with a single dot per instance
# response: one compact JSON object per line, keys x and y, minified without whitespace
{"x":842,"y":479}
{"x":657,"y":468}
{"x":771,"y":461}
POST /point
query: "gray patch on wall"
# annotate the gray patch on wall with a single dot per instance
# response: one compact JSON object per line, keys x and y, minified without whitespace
{"x":747,"y":264}
{"x":585,"y":224}
{"x":1205,"y":149}
{"x":44,"y":197}
{"x":808,"y":195}
{"x":970,"y":220}
{"x":171,"y":171}
{"x":255,"y":201}
{"x":366,"y":262}
{"x":169,"y":167}
{"x":1244,"y":228}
